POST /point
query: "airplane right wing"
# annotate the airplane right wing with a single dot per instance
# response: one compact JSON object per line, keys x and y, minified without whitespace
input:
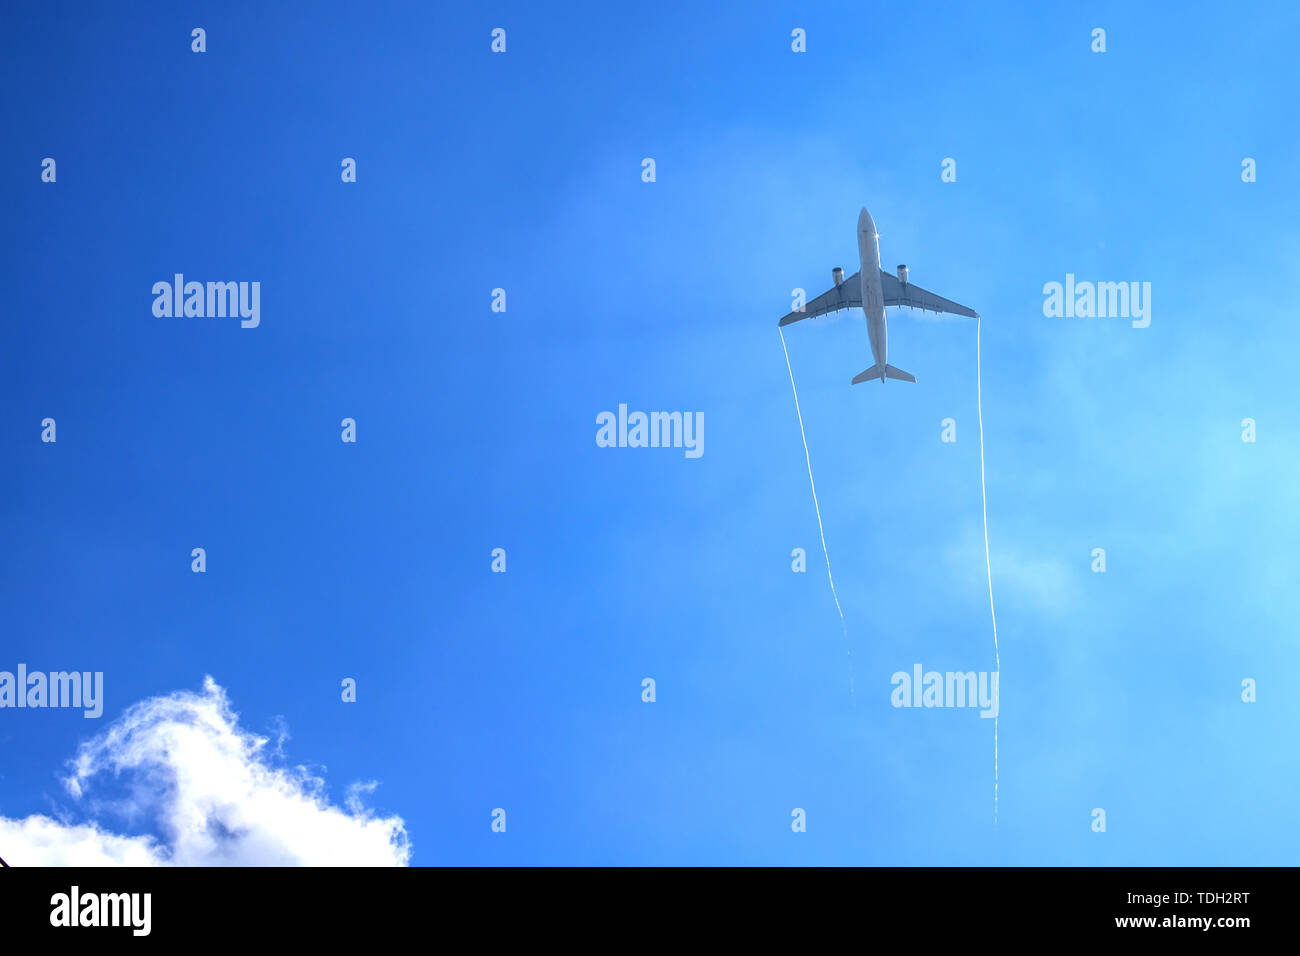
{"x":846,"y":295}
{"x":914,"y":297}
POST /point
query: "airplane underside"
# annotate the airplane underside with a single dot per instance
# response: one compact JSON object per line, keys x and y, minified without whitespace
{"x":872,"y":289}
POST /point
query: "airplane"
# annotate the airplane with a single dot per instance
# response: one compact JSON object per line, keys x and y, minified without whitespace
{"x":871,"y":289}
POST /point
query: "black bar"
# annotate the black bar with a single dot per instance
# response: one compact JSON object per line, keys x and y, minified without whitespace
{"x":981,"y":906}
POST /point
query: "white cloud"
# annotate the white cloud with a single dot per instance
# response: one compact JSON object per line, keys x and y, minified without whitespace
{"x":209,"y":788}
{"x":40,"y":841}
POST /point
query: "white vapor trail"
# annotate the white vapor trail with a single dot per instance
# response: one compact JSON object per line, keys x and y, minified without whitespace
{"x":979,"y":398}
{"x":847,"y":649}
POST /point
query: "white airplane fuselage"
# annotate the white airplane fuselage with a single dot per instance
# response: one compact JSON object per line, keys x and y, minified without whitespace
{"x":873,"y":298}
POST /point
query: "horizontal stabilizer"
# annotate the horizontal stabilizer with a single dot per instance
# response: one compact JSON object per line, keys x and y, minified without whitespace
{"x":873,"y":373}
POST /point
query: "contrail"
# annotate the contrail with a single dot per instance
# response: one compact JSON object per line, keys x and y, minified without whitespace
{"x":979,"y":399}
{"x":847,"y":649}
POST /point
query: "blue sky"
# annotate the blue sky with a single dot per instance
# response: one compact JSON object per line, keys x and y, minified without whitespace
{"x":476,"y":429}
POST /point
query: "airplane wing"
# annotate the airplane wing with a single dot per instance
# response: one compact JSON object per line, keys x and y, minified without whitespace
{"x":914,"y":297}
{"x":846,"y":295}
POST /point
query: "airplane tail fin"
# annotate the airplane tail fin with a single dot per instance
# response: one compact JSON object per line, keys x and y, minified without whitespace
{"x":867,"y":375}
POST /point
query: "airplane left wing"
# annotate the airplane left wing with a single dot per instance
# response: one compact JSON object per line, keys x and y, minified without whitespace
{"x":846,"y":295}
{"x":914,"y":297}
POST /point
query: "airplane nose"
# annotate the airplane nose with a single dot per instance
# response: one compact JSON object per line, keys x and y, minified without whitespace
{"x":865,"y":223}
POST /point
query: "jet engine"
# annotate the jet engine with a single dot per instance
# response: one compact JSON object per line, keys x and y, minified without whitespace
{"x":902,"y":274}
{"x":838,"y":275}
